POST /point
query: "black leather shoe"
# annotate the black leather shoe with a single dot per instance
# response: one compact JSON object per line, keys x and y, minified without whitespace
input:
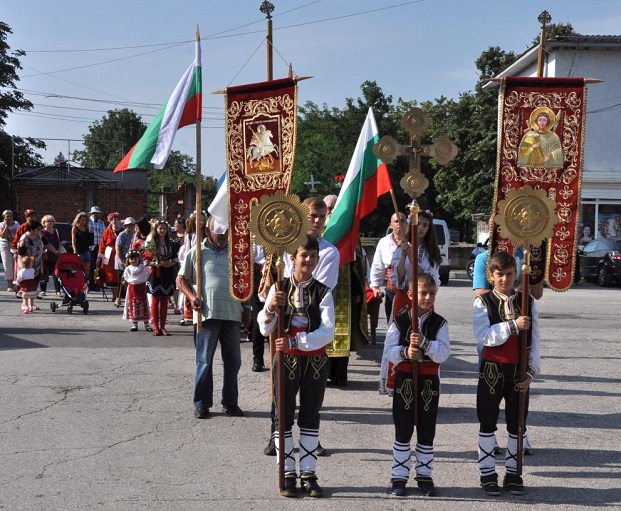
{"x":425,"y":484}
{"x":289,"y":490}
{"x":321,"y":451}
{"x":513,"y":484}
{"x":270,"y":448}
{"x":258,"y":367}
{"x":398,"y":488}
{"x":310,"y":486}
{"x":234,"y":411}
{"x":201,"y":413}
{"x":490,"y":485}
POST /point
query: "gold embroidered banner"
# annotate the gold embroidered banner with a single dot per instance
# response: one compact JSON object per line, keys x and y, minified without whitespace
{"x":540,"y":143}
{"x":260,"y":124}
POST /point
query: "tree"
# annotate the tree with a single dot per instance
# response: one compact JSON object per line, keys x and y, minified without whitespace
{"x":110,"y":138}
{"x":13,"y":150}
{"x":556,"y":30}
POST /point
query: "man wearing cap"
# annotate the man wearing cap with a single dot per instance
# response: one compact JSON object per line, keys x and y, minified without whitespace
{"x":96,"y":226}
{"x":121,"y":246}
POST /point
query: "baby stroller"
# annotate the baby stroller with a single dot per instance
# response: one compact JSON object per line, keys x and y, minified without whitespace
{"x":73,"y":282}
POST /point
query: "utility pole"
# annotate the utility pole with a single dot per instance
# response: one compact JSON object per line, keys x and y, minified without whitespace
{"x":267,"y":8}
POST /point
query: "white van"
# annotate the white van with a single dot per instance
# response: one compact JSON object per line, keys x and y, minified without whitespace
{"x":444,"y":242}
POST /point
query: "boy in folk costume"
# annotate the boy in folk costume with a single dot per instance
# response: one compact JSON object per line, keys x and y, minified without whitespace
{"x":308,"y":327}
{"x":429,"y":348}
{"x":497,"y":323}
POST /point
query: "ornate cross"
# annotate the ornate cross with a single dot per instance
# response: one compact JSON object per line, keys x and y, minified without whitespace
{"x":443,"y":151}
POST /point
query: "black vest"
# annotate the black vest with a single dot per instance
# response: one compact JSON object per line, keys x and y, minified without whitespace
{"x":313,"y":296}
{"x":429,"y":329}
{"x":496,"y":310}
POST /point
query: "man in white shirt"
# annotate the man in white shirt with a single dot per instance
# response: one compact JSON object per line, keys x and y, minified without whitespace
{"x":381,"y":268}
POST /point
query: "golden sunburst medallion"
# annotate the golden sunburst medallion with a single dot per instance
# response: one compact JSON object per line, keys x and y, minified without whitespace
{"x":526,"y":216}
{"x":280,"y":222}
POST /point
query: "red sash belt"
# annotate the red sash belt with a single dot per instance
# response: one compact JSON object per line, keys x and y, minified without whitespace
{"x":293,"y":330}
{"x":508,"y":353}
{"x":426,"y":368}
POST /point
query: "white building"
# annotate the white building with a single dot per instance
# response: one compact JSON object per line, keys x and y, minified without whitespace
{"x":590,"y":57}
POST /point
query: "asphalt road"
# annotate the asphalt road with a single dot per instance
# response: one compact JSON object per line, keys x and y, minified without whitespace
{"x":93,"y":416}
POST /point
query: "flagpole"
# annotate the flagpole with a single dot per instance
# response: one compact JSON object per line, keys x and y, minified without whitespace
{"x":198,"y":216}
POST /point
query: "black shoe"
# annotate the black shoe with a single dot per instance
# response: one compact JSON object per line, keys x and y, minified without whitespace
{"x":321,"y":451}
{"x":341,"y":383}
{"x":258,"y":367}
{"x":398,"y":488}
{"x":234,"y":411}
{"x":513,"y":484}
{"x":425,"y":484}
{"x":201,"y":413}
{"x":270,"y":448}
{"x":490,"y":485}
{"x":289,"y":490}
{"x":310,"y":486}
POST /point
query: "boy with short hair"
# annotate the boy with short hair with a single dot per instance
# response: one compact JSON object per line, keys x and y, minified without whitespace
{"x":497,"y":323}
{"x":428,"y":348}
{"x":308,"y":327}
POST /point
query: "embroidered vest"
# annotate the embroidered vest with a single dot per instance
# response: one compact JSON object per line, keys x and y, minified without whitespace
{"x":509,"y":352}
{"x":429,"y":329}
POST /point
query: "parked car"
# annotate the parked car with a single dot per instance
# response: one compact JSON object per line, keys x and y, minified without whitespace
{"x":600,"y":260}
{"x":481,"y":247}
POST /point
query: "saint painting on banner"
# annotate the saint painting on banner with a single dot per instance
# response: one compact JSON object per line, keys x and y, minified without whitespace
{"x":541,"y":146}
{"x":262,"y":154}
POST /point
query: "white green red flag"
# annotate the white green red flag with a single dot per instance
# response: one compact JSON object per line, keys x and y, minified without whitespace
{"x":183,"y":108}
{"x":366,"y":179}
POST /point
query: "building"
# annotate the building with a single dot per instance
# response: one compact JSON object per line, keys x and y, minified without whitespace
{"x":596,"y":57}
{"x":65,"y":190}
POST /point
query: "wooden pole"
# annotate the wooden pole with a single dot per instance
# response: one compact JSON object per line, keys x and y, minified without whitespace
{"x":198,"y":216}
{"x":414,"y":209}
{"x":280,"y":269}
{"x":523,"y":359}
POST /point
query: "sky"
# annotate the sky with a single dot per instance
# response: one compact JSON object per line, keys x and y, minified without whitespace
{"x":85,"y":58}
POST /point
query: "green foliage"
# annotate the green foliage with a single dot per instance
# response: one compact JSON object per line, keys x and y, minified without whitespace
{"x":179,"y":169}
{"x":556,"y":30}
{"x":17,"y":150}
{"x":109,"y":139}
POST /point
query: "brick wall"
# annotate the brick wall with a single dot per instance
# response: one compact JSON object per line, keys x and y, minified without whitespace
{"x":65,"y":202}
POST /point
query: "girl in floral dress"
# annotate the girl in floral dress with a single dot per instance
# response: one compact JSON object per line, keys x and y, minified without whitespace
{"x":136,"y":275}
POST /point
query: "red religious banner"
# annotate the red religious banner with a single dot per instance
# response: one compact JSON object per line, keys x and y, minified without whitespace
{"x":260,"y":123}
{"x":540,"y":144}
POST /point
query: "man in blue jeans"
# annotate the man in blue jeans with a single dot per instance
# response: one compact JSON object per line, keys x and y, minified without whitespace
{"x":221,"y":318}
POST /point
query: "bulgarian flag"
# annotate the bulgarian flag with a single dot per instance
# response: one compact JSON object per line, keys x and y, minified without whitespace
{"x":366,"y":179}
{"x":184,"y":107}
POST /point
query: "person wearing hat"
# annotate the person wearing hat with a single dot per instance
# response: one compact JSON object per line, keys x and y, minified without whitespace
{"x":121,"y":246}
{"x":97,"y":226}
{"x":21,"y":230}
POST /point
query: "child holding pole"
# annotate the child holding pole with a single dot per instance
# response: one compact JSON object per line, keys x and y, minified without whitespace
{"x":428,"y":348}
{"x":497,"y":323}
{"x":308,"y":319}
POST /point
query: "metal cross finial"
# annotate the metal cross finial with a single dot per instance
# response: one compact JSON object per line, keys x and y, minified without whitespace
{"x":544,"y":18}
{"x":312,"y":184}
{"x":267,"y":8}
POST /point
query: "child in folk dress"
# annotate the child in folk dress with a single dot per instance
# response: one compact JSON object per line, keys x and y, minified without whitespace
{"x":136,"y":275}
{"x":27,"y":282}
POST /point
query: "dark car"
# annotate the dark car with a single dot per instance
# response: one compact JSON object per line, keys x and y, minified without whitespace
{"x":481,"y":247}
{"x":600,"y":260}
